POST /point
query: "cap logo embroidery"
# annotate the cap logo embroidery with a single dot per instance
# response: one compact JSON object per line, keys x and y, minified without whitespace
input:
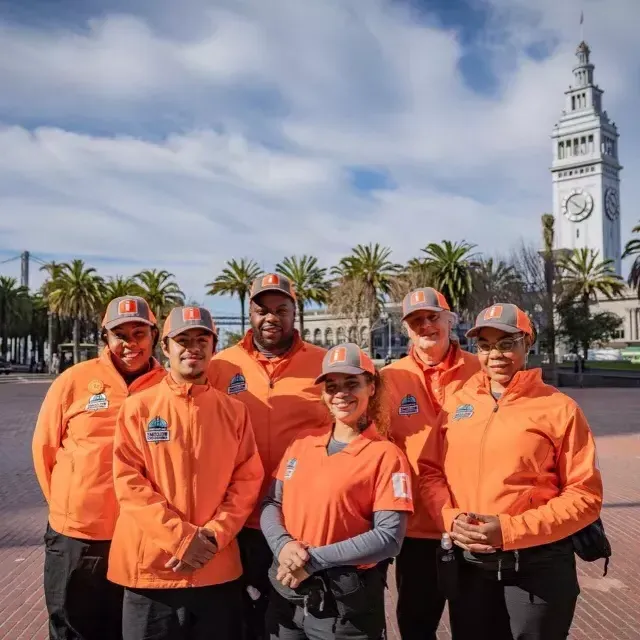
{"x":339,"y":355}
{"x":191,"y":313}
{"x":493,"y":313}
{"x":127,"y":306}
{"x":417,"y":297}
{"x":272,"y":280}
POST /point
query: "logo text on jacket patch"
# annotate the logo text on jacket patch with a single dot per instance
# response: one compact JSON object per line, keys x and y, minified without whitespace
{"x":290,"y":468}
{"x":408,"y":406}
{"x":157,"y":430}
{"x":401,"y":486}
{"x":96,"y":402}
{"x":463,"y":411}
{"x":238,"y":384}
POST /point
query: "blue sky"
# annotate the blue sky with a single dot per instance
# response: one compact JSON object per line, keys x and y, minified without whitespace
{"x":179,"y":135}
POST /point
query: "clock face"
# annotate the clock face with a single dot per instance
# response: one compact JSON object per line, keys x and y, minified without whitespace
{"x":577,"y":205}
{"x":611,"y":203}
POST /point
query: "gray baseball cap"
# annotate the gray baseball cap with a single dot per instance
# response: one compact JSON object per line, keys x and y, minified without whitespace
{"x":273,"y":282}
{"x":346,"y":358}
{"x":182,"y":319}
{"x":128,"y":309}
{"x":424,"y":299}
{"x":505,"y":317}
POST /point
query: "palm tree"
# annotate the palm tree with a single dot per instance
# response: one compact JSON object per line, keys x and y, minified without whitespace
{"x":451,"y":264}
{"x":633,"y":249}
{"x":372,"y":273}
{"x":308,"y":280}
{"x":159,"y":290}
{"x":550,"y":268}
{"x":119,"y":287}
{"x":77,"y":295}
{"x":493,"y":281}
{"x":53,"y":269}
{"x":236,"y":280}
{"x":584,"y":276}
{"x":12,"y":297}
{"x":416,"y":274}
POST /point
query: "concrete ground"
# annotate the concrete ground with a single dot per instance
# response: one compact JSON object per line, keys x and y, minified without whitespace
{"x":608,"y":609}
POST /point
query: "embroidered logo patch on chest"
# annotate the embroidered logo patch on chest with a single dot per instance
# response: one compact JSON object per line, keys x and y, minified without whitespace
{"x":408,"y":406}
{"x":401,"y":486}
{"x":290,"y":468}
{"x":96,"y":402}
{"x":463,"y":411}
{"x":238,"y":384}
{"x":157,"y":430}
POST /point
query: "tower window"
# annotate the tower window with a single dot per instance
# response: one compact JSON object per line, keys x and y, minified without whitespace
{"x":590,"y":144}
{"x":560,"y":150}
{"x":573,"y":103}
{"x":577,"y":233}
{"x":583,"y":146}
{"x":576,"y":148}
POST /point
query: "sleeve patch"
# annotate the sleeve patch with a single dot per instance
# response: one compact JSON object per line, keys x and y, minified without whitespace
{"x":401,"y":486}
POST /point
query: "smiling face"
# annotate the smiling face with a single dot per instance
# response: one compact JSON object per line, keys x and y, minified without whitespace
{"x":429,"y":330}
{"x":131,"y":346}
{"x":502,"y":354}
{"x":347,"y":396}
{"x":272,"y":317}
{"x":189,"y":354}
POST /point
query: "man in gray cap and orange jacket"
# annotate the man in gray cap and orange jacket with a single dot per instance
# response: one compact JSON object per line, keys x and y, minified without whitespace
{"x":418,"y":387}
{"x":272,"y":371}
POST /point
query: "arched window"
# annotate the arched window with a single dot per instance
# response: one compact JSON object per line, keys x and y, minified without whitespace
{"x":353,"y":334}
{"x":560,"y":150}
{"x":328,"y":337}
{"x":317,"y":336}
{"x":306,"y":336}
{"x":364,"y":337}
{"x":341,"y":335}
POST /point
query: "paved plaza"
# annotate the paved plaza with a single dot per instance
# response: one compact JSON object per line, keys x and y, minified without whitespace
{"x":608,"y":609}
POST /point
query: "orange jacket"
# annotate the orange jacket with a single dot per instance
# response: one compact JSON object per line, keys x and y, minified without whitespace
{"x":184,"y":457}
{"x":416,"y":395}
{"x":280,"y":395}
{"x":529,"y":458}
{"x":73,"y":445}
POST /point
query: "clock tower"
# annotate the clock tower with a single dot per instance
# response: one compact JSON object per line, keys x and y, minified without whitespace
{"x":585,"y":169}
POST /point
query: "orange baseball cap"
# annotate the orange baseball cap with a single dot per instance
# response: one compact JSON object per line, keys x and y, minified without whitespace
{"x":427,"y":299}
{"x":505,"y":317}
{"x":128,"y":309}
{"x":182,"y":319}
{"x":272,"y":282}
{"x":346,"y":358}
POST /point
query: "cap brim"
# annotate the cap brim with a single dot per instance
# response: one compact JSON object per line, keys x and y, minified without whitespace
{"x":349,"y":370}
{"x":272,"y":290}
{"x":429,"y":308}
{"x":507,"y":328}
{"x":177,"y":332}
{"x":112,"y":324}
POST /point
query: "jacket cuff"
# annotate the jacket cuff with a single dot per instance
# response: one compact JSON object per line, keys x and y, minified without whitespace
{"x":448,"y":516}
{"x":508,"y":543}
{"x":184,"y":544}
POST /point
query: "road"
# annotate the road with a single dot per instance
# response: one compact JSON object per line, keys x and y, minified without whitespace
{"x":609,"y":608}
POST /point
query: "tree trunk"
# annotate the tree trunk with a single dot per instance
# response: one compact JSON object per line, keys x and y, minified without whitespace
{"x":50,"y":339}
{"x":242,"y":313}
{"x":76,"y":340}
{"x":3,"y":329}
{"x":371,"y":321}
{"x":301,"y":317}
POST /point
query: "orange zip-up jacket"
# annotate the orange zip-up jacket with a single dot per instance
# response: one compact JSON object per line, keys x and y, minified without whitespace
{"x":529,"y":458}
{"x":73,"y":445}
{"x":417,"y":393}
{"x":280,"y":395}
{"x":184,"y":457}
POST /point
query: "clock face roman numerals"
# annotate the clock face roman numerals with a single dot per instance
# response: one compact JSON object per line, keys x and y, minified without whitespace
{"x":577,"y":205}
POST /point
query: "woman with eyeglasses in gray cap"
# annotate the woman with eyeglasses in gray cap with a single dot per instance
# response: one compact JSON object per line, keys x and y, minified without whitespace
{"x":337,"y":512}
{"x":514,"y":477}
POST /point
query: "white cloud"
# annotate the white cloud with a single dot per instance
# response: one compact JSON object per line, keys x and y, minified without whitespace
{"x":181,"y":139}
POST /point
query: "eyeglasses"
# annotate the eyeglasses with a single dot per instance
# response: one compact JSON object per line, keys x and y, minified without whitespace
{"x":503,"y":346}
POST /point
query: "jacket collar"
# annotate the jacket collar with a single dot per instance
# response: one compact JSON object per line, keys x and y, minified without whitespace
{"x":522,"y":383}
{"x":186,"y":389}
{"x":452,"y":361}
{"x":369,"y":435}
{"x":247,"y":344}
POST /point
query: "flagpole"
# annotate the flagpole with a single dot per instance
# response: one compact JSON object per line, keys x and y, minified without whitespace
{"x":582,"y":26}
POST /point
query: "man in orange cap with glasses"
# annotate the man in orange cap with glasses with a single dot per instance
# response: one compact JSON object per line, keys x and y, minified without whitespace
{"x":272,"y":371}
{"x":187,"y":475}
{"x":72,"y":455}
{"x":419,"y":386}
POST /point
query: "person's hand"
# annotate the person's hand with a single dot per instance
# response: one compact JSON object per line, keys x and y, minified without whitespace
{"x":202,"y":548}
{"x":179,"y":566}
{"x":292,"y":579}
{"x":294,"y":555}
{"x":468,"y":532}
{"x":490,"y":526}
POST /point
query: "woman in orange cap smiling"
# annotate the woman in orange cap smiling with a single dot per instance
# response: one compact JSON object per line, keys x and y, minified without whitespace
{"x":337,"y":512}
{"x":72,"y":455}
{"x":521,"y":478}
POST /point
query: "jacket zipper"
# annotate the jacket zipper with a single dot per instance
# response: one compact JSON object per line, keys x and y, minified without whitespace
{"x":190,"y":576}
{"x":480,"y":463}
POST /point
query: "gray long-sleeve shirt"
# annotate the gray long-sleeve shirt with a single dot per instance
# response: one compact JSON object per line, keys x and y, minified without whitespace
{"x":381,"y":542}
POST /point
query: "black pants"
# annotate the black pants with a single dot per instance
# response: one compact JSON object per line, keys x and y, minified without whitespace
{"x":536,"y":602}
{"x":420,"y":603}
{"x":256,"y":560}
{"x":287,"y":621}
{"x":81,"y":602}
{"x":197,"y":613}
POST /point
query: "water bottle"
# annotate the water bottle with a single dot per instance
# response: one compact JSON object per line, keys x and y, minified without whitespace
{"x":448,"y":567}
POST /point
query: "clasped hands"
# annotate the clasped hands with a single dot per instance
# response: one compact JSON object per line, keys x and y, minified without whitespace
{"x":292,"y":560}
{"x":477,"y":533}
{"x":201,"y":549}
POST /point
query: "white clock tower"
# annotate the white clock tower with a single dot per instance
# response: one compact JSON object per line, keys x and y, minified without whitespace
{"x":585,"y":169}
